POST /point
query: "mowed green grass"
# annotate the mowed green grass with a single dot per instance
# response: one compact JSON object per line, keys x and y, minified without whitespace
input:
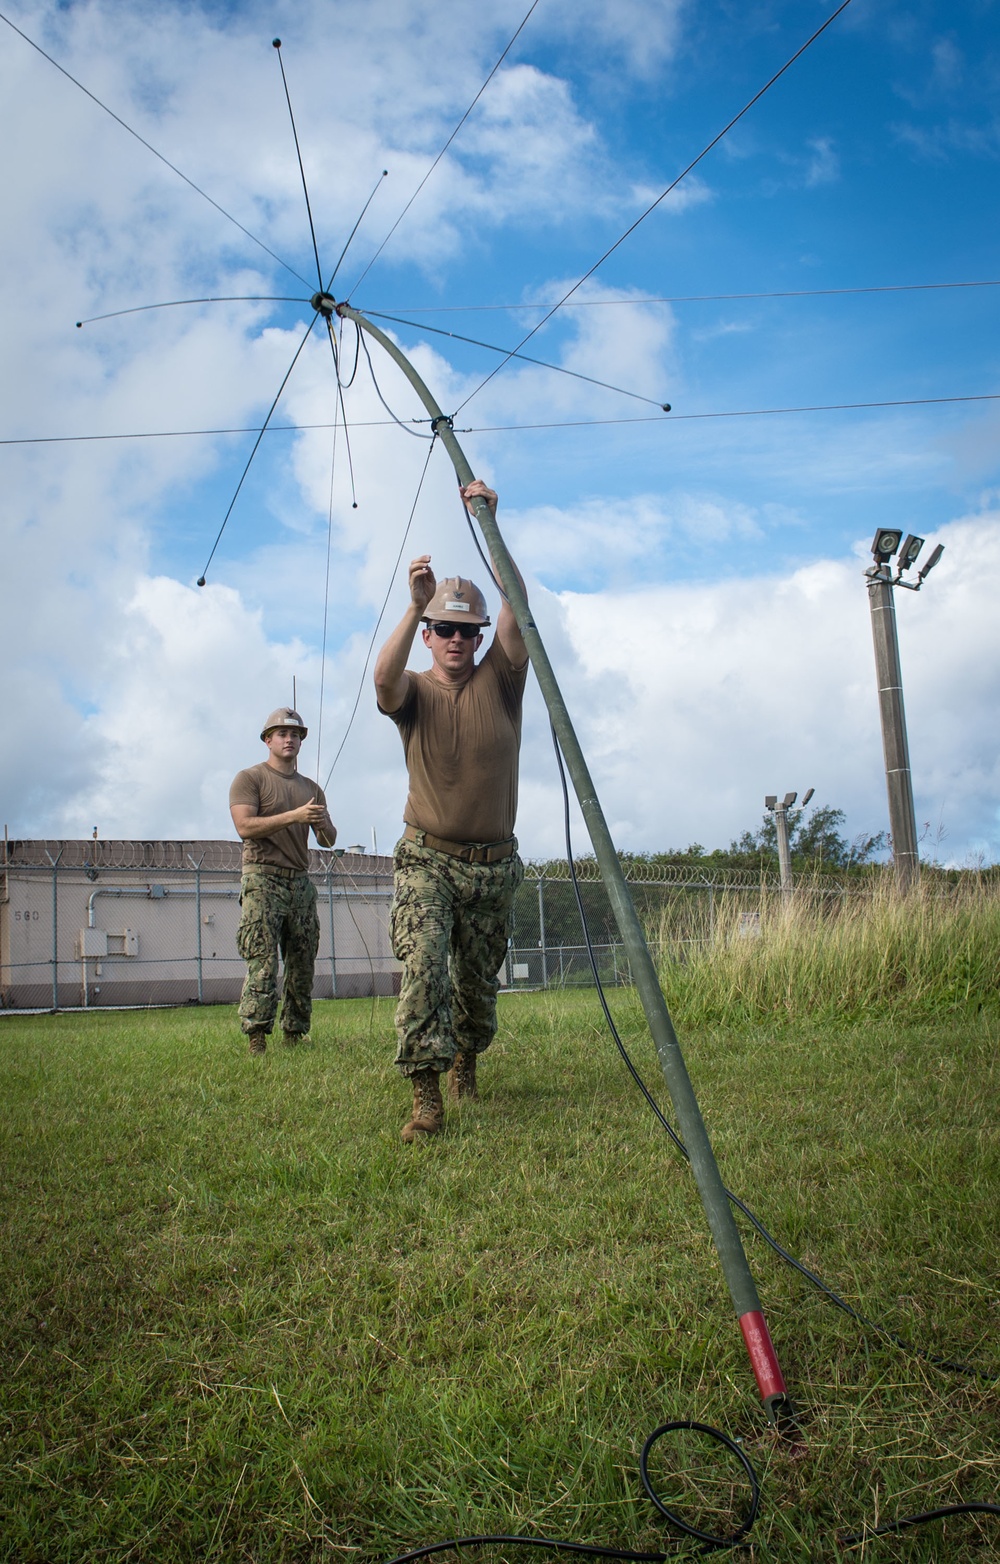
{"x":243,"y":1321}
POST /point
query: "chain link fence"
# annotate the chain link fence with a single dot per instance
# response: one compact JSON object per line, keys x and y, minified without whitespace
{"x":92,"y":924}
{"x":87,"y":925}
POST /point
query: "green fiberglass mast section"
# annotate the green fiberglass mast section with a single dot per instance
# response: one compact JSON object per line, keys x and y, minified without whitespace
{"x":692,"y":1127}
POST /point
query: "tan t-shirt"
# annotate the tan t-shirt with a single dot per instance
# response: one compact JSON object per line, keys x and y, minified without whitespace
{"x":461,"y":748}
{"x":269,"y":792}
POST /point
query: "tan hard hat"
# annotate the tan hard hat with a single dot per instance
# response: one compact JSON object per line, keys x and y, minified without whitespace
{"x":284,"y":717}
{"x":457,"y":602}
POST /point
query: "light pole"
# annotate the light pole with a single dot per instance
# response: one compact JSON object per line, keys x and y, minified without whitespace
{"x":898,"y":780}
{"x":781,"y":827}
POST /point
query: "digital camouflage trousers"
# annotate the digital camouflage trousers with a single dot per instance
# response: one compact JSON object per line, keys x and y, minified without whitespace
{"x":449,"y":925}
{"x":278,"y":916}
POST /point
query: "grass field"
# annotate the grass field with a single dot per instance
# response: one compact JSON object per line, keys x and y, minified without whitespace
{"x":243,"y":1321}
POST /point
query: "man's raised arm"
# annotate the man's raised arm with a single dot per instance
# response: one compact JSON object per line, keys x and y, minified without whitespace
{"x":507,"y":632}
{"x":391,"y":680}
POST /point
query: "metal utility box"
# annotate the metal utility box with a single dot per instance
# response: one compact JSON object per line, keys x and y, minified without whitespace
{"x":91,"y":943}
{"x":124,"y":944}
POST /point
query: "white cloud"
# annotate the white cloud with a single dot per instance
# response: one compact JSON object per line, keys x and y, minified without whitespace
{"x":617,"y":543}
{"x":728,"y":691}
{"x":823,"y":166}
{"x":691,"y":703}
{"x":645,"y":36}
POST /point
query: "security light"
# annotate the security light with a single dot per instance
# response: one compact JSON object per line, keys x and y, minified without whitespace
{"x":885,"y":543}
{"x":909,"y":551}
{"x":771,"y":800}
{"x":931,"y":562}
{"x":807,"y":796}
{"x":882,"y":579}
{"x":788,"y":800}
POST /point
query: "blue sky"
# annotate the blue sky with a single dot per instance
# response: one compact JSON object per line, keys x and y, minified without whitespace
{"x":698,"y":579}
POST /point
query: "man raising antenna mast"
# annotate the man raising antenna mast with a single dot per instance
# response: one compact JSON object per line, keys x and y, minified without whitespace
{"x":456,"y":866}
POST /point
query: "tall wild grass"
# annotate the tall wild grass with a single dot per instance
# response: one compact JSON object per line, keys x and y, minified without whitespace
{"x":932,"y":953}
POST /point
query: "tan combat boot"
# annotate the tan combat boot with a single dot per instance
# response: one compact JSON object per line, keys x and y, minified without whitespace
{"x":428,"y":1109}
{"x":258,"y":1042}
{"x":462,"y":1077}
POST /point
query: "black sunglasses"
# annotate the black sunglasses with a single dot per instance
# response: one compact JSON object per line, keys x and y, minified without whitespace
{"x":467,"y":632}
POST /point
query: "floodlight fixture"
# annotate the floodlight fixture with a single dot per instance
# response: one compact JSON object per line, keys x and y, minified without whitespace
{"x":885,"y":543}
{"x":807,"y":796}
{"x":935,"y":556}
{"x":780,"y":812}
{"x":909,"y":551}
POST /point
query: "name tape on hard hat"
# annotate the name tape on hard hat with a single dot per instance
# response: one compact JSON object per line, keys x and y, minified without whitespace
{"x":462,"y":608}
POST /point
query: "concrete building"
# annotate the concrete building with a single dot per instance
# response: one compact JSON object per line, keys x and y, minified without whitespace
{"x":89,"y":924}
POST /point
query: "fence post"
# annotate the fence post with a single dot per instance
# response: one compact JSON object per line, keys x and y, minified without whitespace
{"x":197,"y":913}
{"x":329,"y":905}
{"x":541,"y":928}
{"x":55,"y":926}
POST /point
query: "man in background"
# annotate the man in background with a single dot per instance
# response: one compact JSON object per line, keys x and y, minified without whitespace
{"x":456,"y":866}
{"x":273,"y":809}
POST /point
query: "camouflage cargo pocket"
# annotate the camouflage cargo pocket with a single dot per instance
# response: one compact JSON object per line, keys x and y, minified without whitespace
{"x":253,"y":939}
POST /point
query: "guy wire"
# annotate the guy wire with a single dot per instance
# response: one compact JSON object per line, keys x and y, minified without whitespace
{"x":444,"y":149}
{"x":492,"y":348}
{"x":150,"y":148}
{"x":276,"y":45}
{"x":695,"y":298}
{"x":382,"y":610}
{"x":260,"y":436}
{"x":338,"y":864}
{"x":333,"y":275}
{"x":662,"y":197}
{"x":566,"y":423}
